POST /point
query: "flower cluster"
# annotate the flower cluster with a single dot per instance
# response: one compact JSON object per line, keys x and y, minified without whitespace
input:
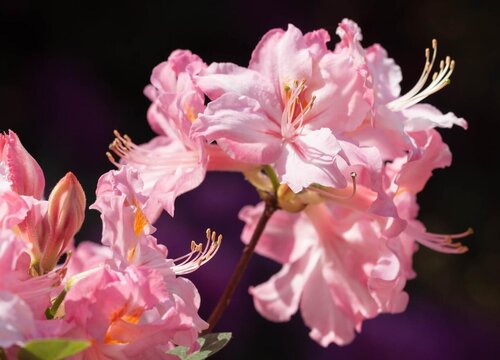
{"x":125,"y":297}
{"x":336,"y":152}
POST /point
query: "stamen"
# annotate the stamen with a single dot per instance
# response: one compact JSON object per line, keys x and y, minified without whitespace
{"x":126,"y":149}
{"x":336,"y":194}
{"x":440,"y":242}
{"x":198,"y":255}
{"x":112,"y":159}
{"x":292,"y":119}
{"x":438,"y":81}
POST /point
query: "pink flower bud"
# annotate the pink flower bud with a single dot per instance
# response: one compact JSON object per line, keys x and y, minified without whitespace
{"x":23,"y":172}
{"x":65,"y":214}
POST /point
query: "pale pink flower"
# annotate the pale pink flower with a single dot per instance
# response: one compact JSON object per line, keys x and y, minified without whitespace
{"x":127,"y":230}
{"x":343,"y":263}
{"x":172,"y":163}
{"x":289,"y":106}
{"x":130,"y":314}
{"x":337,"y":268}
{"x":128,"y":233}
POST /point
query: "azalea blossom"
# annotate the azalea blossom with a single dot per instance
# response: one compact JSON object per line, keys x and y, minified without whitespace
{"x":340,"y":264}
{"x":128,"y":314}
{"x":172,"y":163}
{"x":132,"y":302}
{"x":289,"y":106}
{"x":347,"y":252}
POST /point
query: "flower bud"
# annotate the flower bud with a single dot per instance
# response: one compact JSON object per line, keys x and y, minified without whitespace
{"x":22,"y":171}
{"x":65,"y":214}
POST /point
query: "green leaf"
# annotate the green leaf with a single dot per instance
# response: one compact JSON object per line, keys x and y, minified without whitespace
{"x":180,"y":351}
{"x":51,"y":349}
{"x":210,"y":344}
{"x":2,"y":354}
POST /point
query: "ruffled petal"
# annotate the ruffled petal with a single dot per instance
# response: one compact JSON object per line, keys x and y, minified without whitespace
{"x":222,"y":78}
{"x":286,"y":237}
{"x":241,"y":128}
{"x":311,"y":158}
{"x":278,"y":298}
{"x":283,"y":57}
{"x":386,"y":74}
{"x":421,"y":117}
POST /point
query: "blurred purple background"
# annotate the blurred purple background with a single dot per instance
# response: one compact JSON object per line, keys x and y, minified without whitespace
{"x":70,"y":74}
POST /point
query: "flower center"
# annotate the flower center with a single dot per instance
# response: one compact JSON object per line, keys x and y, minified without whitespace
{"x":296,"y":108}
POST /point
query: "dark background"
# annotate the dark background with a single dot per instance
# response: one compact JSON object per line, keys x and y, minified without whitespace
{"x":71,"y":73}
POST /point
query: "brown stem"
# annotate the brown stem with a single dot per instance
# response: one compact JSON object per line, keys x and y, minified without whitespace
{"x":225,"y":299}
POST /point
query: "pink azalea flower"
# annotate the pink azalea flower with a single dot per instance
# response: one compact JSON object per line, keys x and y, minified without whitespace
{"x":130,"y":314}
{"x":171,"y":315}
{"x":341,"y":265}
{"x":337,"y":268}
{"x":127,"y":230}
{"x":290,"y":106}
{"x":172,"y":163}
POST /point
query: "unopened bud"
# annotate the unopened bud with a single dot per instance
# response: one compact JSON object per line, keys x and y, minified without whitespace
{"x":23,"y":172}
{"x":65,"y":214}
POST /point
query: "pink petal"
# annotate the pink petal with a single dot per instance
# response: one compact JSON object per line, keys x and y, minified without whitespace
{"x":415,"y":174}
{"x":16,"y":320}
{"x":278,"y":298}
{"x":316,"y":42}
{"x":282,"y":57}
{"x":285,"y":238}
{"x":222,"y":78}
{"x":328,"y":323}
{"x":424,"y":117}
{"x":343,"y":91}
{"x":24,"y":173}
{"x":311,"y":158}
{"x":241,"y":128}
{"x":13,"y":209}
{"x":386,"y":74}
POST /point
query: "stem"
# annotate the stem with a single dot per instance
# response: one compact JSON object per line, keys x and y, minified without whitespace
{"x":51,"y":312}
{"x":225,"y":299}
{"x":272,"y":176}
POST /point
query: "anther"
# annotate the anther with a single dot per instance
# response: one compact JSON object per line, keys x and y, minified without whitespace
{"x":439,"y":80}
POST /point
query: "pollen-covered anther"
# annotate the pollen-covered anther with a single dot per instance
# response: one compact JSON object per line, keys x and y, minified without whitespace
{"x":442,"y":242}
{"x":121,"y":146}
{"x":296,"y":108}
{"x":199,"y":255}
{"x":438,"y":81}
